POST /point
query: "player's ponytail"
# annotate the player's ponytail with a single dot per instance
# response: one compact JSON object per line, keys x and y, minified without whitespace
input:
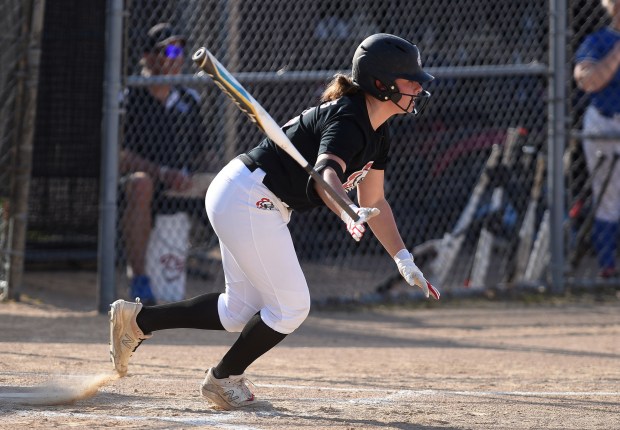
{"x":340,"y":85}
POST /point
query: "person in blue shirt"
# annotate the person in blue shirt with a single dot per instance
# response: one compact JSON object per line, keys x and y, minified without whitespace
{"x":597,"y":73}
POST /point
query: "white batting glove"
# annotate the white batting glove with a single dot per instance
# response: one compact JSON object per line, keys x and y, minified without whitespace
{"x":412,"y":274}
{"x":356,"y":228}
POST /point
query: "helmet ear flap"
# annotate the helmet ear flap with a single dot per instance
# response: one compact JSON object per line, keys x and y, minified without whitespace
{"x":387,"y":92}
{"x":395,"y":96}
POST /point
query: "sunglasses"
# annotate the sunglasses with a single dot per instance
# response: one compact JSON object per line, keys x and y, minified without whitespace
{"x":172,"y":51}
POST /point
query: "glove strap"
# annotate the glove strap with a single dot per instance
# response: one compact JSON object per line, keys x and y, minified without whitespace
{"x":403,"y":254}
{"x":344,"y":216}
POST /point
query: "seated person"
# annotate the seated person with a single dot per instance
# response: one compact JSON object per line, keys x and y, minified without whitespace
{"x":162,"y":133}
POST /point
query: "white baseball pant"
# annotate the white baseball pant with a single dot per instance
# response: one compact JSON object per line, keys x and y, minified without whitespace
{"x":595,"y":123}
{"x":261,"y":269}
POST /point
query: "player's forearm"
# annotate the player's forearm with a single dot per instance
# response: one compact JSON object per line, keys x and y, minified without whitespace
{"x":332,"y":179}
{"x":385,"y":230}
{"x":593,"y":77}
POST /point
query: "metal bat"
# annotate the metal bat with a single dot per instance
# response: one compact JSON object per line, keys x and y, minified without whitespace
{"x":527,"y":230}
{"x":255,"y":112}
{"x":486,"y":241}
{"x":539,"y":259}
{"x":451,"y":243}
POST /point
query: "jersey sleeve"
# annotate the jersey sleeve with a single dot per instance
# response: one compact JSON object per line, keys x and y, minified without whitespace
{"x":589,"y":50}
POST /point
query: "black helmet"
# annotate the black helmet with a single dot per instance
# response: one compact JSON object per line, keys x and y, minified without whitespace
{"x":385,"y":58}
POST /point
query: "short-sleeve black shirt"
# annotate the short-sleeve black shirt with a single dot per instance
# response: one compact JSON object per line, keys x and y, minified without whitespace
{"x":168,"y":134}
{"x":340,"y":127}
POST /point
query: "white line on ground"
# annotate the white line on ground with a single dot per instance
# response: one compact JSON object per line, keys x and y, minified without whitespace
{"x":450,"y":392}
{"x":214,"y":420}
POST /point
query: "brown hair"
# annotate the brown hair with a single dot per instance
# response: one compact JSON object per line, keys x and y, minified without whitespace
{"x":340,"y":85}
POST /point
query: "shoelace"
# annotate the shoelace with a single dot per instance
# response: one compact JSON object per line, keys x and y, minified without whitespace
{"x":243,"y":382}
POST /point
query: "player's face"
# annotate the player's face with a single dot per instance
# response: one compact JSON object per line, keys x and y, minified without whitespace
{"x":409,"y":90}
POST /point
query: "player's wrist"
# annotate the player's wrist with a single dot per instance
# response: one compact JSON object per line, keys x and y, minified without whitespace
{"x":344,"y":216}
{"x":403,"y":254}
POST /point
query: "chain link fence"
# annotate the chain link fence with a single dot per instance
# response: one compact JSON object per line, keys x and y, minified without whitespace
{"x":489,"y":93}
{"x":15,"y":18}
{"x":468,"y":181}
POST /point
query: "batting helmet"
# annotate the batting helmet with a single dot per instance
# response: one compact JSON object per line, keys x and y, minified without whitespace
{"x":385,"y":58}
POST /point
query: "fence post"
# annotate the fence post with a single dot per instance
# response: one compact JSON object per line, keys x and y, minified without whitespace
{"x":557,"y":135}
{"x":106,"y":279}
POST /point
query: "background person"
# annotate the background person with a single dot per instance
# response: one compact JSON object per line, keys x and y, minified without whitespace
{"x":161,"y":140}
{"x":597,"y":73}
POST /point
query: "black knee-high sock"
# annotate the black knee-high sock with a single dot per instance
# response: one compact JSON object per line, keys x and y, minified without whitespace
{"x":199,"y":312}
{"x":256,"y":339}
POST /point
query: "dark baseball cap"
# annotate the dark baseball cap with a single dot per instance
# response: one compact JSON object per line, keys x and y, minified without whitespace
{"x":161,"y":35}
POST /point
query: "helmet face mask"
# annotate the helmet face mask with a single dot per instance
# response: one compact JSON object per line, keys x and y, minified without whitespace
{"x":385,"y":58}
{"x":418,"y":102}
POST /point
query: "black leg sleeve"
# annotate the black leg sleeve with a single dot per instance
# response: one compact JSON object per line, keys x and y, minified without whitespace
{"x":199,"y":312}
{"x":256,"y":339}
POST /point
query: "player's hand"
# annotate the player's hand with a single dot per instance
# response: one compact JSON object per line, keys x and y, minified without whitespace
{"x":356,"y":228}
{"x":412,"y":274}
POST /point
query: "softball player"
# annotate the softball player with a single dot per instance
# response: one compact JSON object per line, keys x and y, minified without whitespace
{"x":597,"y":73}
{"x":250,"y":202}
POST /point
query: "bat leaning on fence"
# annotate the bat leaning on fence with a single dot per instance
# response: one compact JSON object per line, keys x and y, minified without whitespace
{"x":528,"y":226}
{"x":255,"y":112}
{"x":449,"y":246}
{"x":580,"y":247}
{"x":490,"y":229}
{"x":539,"y":258}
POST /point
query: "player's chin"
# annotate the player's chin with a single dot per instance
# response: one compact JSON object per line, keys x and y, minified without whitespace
{"x":409,"y":108}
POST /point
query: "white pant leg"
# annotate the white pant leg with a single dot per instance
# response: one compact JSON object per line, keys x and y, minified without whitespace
{"x":241,"y":300}
{"x":595,"y":123}
{"x":251,"y":223}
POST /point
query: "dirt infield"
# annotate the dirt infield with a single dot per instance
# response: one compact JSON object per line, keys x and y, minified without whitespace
{"x":457,"y":366}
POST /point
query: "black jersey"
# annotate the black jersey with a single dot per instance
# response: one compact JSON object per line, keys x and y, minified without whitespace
{"x":166,"y":134}
{"x":340,"y":127}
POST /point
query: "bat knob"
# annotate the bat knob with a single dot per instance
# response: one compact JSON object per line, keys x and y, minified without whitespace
{"x":199,"y":55}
